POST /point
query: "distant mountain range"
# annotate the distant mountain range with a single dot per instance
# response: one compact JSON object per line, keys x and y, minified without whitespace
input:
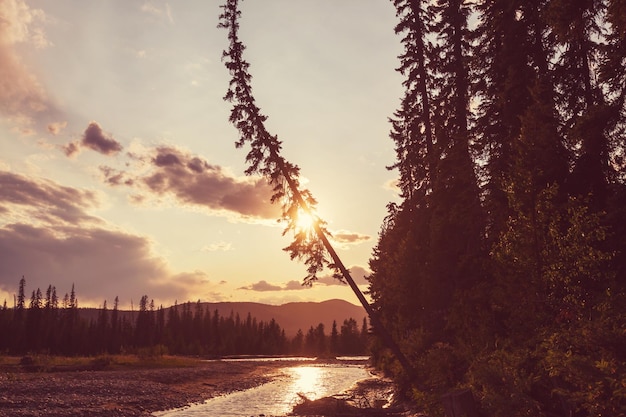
{"x":290,"y":317}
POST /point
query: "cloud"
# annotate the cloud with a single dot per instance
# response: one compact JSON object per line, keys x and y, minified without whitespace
{"x":358,"y":274}
{"x":115,"y":178}
{"x":96,"y":139}
{"x":101,"y":263}
{"x":21,"y":94}
{"x":264,"y":286}
{"x":220,"y":246}
{"x":202,"y":287}
{"x":294,"y":285}
{"x":352,"y":238}
{"x":20,"y":24}
{"x":261,"y":286}
{"x":56,"y":127}
{"x":170,"y":172}
{"x":42,"y":201}
{"x":164,"y":12}
{"x":48,"y":236}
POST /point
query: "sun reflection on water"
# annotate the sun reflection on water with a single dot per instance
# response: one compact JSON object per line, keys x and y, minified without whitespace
{"x":278,"y":397}
{"x":307,"y":381}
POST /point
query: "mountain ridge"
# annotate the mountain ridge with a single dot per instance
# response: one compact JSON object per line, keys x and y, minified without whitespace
{"x":291,"y":317}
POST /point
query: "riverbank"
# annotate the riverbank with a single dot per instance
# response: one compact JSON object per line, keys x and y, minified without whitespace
{"x":119,"y":389}
{"x":109,"y":388}
{"x":369,"y":398}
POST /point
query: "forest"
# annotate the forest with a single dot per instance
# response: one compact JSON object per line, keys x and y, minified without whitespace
{"x":501,"y":269}
{"x":46,"y":325}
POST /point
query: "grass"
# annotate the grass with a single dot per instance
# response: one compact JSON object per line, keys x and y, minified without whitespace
{"x":45,"y":363}
{"x":163,"y":361}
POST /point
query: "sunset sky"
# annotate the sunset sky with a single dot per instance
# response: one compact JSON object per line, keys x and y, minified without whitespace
{"x":118,"y":170}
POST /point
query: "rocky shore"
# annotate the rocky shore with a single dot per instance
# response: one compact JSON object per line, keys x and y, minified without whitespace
{"x":135,"y":392}
{"x":123,"y":392}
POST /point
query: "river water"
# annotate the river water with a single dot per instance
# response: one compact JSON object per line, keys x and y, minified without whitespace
{"x":278,"y":397}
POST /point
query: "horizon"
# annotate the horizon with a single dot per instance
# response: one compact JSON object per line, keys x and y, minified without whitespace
{"x":131,"y":305}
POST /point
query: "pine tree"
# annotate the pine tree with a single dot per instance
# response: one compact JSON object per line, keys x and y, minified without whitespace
{"x":114,"y":340}
{"x":516,"y":99}
{"x":54,"y":299}
{"x":73,"y":303}
{"x":102,"y":329}
{"x":297,"y":343}
{"x":349,"y":339}
{"x":33,"y":324}
{"x":48,"y":303}
{"x":144,"y":325}
{"x":172,"y":329}
{"x":71,"y":331}
{"x":457,"y":222}
{"x":412,"y":127}
{"x":334,"y":340}
{"x":586,"y":115}
{"x":21,"y":296}
{"x":6,"y":326}
{"x":430,"y":244}
{"x":612,"y":73}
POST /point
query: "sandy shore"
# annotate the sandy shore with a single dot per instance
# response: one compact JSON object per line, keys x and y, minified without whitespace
{"x":140,"y":392}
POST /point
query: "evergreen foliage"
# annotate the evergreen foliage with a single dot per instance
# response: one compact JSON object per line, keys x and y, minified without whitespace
{"x":264,"y":155}
{"x":183,"y":329}
{"x":502,"y":269}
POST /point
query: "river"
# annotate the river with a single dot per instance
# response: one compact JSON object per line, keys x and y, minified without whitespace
{"x":277,"y":398}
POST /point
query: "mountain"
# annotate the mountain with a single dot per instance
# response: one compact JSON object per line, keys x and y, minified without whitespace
{"x":290,"y":317}
{"x":294,"y":316}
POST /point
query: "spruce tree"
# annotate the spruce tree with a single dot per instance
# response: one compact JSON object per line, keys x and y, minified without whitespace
{"x":21,"y":296}
{"x":586,"y":115}
{"x":334,"y":340}
{"x":456,"y":223}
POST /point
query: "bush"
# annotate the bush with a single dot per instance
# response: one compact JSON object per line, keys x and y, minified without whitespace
{"x":101,"y":362}
{"x":152,"y":352}
{"x":502,"y":382}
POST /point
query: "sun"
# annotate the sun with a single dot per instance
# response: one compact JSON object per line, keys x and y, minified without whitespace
{"x":304,"y":222}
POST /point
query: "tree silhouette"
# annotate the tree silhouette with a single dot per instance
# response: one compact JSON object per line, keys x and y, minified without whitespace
{"x":264,"y":158}
{"x":506,"y":252}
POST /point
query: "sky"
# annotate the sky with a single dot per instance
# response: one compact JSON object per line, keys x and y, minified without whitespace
{"x":118,"y":170}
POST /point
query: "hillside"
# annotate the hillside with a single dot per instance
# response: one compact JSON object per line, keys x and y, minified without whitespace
{"x":290,"y":317}
{"x":294,"y":316}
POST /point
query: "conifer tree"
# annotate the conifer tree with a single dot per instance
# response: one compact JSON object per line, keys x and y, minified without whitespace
{"x":514,"y":88}
{"x":33,"y":324}
{"x":73,"y":301}
{"x":429,"y":244}
{"x":143,"y":325}
{"x":412,"y":126}
{"x":456,"y":221}
{"x":586,"y":114}
{"x":531,"y":94}
{"x":21,"y":296}
{"x":114,"y":340}
{"x":313,"y":247}
{"x":334,"y":339}
{"x":297,"y":343}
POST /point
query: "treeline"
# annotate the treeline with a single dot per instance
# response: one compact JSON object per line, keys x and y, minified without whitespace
{"x":503,"y":268}
{"x":46,"y":325}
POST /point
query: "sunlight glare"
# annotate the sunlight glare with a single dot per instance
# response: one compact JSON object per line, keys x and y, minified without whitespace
{"x":308,"y":381}
{"x":305,"y":222}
